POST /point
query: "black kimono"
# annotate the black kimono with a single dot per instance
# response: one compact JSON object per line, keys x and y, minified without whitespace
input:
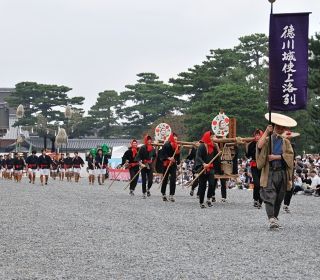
{"x":133,"y":166}
{"x":147,"y":158}
{"x":207,"y":176}
{"x":166,"y":152}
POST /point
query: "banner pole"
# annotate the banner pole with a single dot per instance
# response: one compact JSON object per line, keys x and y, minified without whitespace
{"x":270,"y":152}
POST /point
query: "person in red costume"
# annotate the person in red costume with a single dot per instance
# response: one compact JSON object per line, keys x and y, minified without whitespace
{"x":130,"y":162}
{"x":170,"y":157}
{"x":146,"y":157}
{"x":205,"y":153}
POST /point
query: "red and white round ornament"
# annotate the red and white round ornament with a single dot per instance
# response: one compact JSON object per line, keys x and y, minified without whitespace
{"x":220,"y":125}
{"x":162,"y":132}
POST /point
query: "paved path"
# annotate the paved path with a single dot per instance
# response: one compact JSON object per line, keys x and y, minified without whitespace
{"x":74,"y":231}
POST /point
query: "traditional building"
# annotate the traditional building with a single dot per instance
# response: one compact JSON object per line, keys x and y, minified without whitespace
{"x":6,"y":111}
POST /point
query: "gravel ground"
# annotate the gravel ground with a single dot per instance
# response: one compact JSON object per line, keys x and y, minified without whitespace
{"x":78,"y":231}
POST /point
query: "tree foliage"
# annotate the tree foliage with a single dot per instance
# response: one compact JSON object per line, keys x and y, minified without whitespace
{"x":102,"y":115}
{"x":146,"y":101}
{"x":44,"y":100}
{"x":237,"y":101}
{"x":234,"y":80}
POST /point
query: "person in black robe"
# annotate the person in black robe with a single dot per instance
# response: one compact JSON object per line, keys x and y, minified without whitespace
{"x":101,"y":163}
{"x":205,"y":153}
{"x":9,"y":167}
{"x":44,"y":164}
{"x":146,"y":156}
{"x":77,"y":163}
{"x":68,"y":167}
{"x":32,"y":164}
{"x":129,"y":161}
{"x":91,"y":169}
{"x":170,"y":157}
{"x":18,"y":166}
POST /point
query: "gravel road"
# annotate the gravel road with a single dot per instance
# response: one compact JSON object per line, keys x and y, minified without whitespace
{"x":77,"y":231}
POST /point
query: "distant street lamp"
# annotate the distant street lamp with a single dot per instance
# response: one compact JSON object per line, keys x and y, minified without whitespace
{"x":68,"y":115}
{"x":19,"y":115}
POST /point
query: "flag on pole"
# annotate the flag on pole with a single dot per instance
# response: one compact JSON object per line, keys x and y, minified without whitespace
{"x":288,"y":61}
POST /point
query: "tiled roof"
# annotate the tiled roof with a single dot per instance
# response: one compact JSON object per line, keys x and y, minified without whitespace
{"x":82,"y":144}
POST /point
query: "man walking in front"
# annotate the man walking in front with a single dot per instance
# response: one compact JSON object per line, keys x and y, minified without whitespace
{"x":276,"y":164}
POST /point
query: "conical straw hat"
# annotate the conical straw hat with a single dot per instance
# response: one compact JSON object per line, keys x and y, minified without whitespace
{"x":280,"y":119}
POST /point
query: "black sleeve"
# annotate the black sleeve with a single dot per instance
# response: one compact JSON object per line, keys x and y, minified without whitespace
{"x":200,"y":156}
{"x":166,"y":149}
{"x":125,"y":157}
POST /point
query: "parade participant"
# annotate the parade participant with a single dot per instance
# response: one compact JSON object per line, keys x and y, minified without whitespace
{"x":146,"y":157}
{"x":54,"y":168}
{"x":68,"y":167}
{"x":192,"y":156}
{"x":170,"y":157}
{"x":288,"y":195}
{"x":77,"y":163}
{"x":276,"y":164}
{"x":4,"y":171}
{"x":18,"y":166}
{"x":9,"y":167}
{"x":32,"y":164}
{"x":44,"y":164}
{"x":206,"y":152}
{"x":315,"y":183}
{"x":101,"y":163}
{"x":2,"y":166}
{"x":255,"y":172}
{"x":129,"y":161}
{"x":61,"y":167}
{"x":91,"y":170}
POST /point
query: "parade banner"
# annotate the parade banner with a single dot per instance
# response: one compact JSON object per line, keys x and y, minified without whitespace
{"x":288,"y":61}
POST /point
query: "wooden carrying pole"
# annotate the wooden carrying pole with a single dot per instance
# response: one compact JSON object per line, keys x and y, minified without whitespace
{"x":233,"y":140}
{"x":190,"y":145}
{"x":200,"y":173}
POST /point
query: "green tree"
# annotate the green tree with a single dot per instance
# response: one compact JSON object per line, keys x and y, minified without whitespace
{"x":146,"y":101}
{"x":311,"y":128}
{"x":46,"y":100}
{"x":213,"y":71}
{"x":103,"y":114}
{"x":237,"y":101}
{"x":253,"y":53}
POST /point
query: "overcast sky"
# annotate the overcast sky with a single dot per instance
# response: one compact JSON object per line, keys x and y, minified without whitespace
{"x":97,"y":45}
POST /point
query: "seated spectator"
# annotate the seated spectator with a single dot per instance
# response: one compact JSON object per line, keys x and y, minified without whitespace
{"x":297,"y":184}
{"x":315,"y":182}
